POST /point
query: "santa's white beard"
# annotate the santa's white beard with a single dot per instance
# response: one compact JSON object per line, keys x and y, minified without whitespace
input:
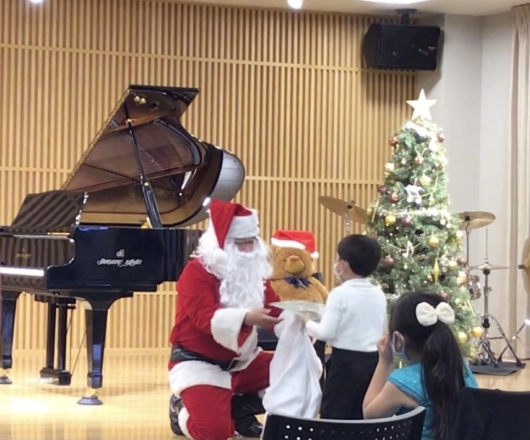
{"x":242,"y":276}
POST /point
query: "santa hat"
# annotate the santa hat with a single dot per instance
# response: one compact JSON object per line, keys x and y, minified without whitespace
{"x":231,"y":220}
{"x":304,"y":240}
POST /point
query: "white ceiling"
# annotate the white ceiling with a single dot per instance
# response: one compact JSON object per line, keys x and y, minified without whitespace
{"x":464,"y":7}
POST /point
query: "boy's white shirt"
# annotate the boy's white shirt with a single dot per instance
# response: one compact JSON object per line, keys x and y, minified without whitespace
{"x":355,"y":317}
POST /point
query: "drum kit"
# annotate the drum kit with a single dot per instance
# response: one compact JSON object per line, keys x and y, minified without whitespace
{"x":350,"y":212}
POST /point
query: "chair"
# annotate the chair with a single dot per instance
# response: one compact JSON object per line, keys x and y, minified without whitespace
{"x":484,"y":414}
{"x":408,"y":426}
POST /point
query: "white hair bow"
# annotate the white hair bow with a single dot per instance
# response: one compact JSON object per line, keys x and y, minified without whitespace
{"x":427,"y":315}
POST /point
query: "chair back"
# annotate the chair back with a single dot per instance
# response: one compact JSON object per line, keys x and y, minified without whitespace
{"x":408,"y":426}
{"x":485,"y":414}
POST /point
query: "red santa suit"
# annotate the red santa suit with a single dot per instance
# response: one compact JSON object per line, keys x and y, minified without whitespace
{"x":212,"y":329}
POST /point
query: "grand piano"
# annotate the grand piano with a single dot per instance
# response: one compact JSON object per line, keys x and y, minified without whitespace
{"x":116,"y":226}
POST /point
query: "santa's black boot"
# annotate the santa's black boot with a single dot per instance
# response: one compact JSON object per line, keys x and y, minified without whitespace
{"x":175,"y":405}
{"x":245,"y":407}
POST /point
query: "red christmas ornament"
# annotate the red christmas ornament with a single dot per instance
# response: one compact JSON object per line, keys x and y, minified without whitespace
{"x":441,"y":137}
{"x":406,"y":221}
{"x":393,"y":141}
{"x":444,"y":295}
{"x":462,"y":261}
{"x":418,"y":160}
{"x":383,"y":189}
{"x":393,"y":198}
{"x":389,"y":261}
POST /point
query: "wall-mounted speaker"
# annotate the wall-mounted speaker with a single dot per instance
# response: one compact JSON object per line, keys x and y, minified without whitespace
{"x":401,"y":46}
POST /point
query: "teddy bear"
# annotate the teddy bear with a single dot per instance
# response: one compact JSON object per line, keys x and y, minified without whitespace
{"x":293,"y":277}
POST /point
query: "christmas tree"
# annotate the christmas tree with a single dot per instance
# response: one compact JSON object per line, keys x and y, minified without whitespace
{"x":420,"y":238}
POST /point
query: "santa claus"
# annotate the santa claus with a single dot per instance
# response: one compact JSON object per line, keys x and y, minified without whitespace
{"x":216,"y":369}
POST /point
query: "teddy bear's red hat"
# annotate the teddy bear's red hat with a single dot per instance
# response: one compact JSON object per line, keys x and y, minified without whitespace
{"x":304,"y":240}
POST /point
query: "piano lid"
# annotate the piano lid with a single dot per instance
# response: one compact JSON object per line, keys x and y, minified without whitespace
{"x":51,"y":211}
{"x":183,"y":170}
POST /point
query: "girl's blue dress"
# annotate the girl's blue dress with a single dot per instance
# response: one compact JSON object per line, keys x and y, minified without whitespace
{"x":409,"y":380}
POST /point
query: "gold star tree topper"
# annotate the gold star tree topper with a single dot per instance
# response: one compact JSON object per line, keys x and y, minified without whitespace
{"x":421,"y":106}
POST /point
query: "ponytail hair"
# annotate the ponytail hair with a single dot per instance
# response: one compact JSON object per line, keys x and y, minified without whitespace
{"x":441,"y":358}
{"x":443,"y":377}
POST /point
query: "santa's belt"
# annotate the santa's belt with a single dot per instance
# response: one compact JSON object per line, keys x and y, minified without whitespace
{"x":180,"y":354}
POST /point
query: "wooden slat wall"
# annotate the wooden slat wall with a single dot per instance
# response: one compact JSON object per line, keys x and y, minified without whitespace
{"x":285,"y":91}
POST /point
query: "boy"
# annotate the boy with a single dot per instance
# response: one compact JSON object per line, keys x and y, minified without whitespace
{"x":352,"y":323}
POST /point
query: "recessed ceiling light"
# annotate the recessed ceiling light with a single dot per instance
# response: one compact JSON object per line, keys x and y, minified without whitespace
{"x":295,"y":4}
{"x":36,"y":1}
{"x":395,"y":2}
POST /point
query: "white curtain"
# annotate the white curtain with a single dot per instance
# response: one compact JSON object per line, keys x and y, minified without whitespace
{"x":519,"y":300}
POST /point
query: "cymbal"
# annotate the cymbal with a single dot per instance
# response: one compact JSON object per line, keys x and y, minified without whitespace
{"x":475,"y":219}
{"x":488,"y":266}
{"x":525,"y":266}
{"x":342,"y":208}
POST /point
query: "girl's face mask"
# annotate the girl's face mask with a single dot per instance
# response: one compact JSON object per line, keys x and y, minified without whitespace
{"x":399,"y":353}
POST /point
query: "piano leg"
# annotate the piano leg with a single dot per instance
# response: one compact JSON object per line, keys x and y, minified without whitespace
{"x":96,"y":313}
{"x":60,"y":374}
{"x":7,"y":315}
{"x":50,"y":336}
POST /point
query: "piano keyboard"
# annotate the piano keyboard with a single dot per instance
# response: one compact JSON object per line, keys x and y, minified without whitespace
{"x":21,"y":271}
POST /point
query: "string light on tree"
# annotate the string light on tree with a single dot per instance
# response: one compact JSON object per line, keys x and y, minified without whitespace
{"x":419,"y":237}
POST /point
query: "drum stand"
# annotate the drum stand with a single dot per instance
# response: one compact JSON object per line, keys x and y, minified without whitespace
{"x":485,"y":354}
{"x":468,"y":233}
{"x":468,"y":269}
{"x":515,"y":337}
{"x":347,"y":224}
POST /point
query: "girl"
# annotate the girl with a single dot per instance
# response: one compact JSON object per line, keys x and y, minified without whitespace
{"x":435,"y":371}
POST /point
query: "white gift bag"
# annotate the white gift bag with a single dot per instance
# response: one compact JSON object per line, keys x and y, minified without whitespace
{"x":295,"y":371}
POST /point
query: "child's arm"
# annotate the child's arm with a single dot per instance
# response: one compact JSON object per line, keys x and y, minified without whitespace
{"x":326,"y":330}
{"x":383,"y":398}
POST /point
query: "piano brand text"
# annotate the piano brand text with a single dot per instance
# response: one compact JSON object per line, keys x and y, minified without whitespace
{"x":119,"y":263}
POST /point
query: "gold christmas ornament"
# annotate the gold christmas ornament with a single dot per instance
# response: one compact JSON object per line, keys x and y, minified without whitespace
{"x":425,"y":180}
{"x":459,"y":234}
{"x":369,"y":211}
{"x":431,"y":200}
{"x":461,"y":337}
{"x":390,"y":220}
{"x":477,"y":332}
{"x":434,"y":241}
{"x":436,"y":271}
{"x":453,"y":265}
{"x":389,"y":167}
